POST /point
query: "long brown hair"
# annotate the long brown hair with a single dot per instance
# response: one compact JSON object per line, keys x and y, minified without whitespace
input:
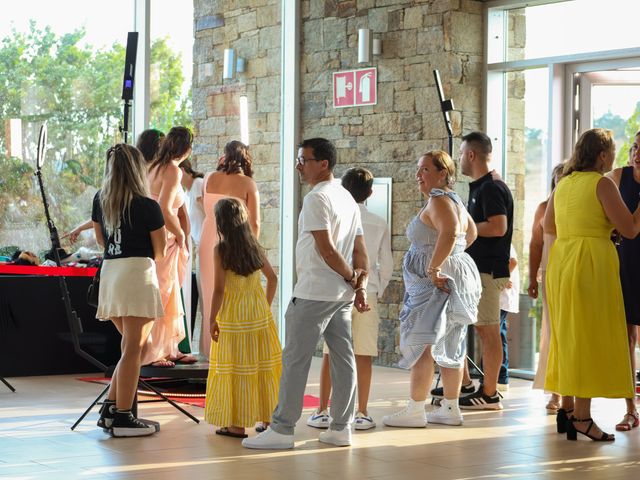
{"x":587,"y":150}
{"x":174,"y":145}
{"x":149,"y":142}
{"x":124,"y":178}
{"x":239,"y":249}
{"x":188,"y":169}
{"x":237,"y":159}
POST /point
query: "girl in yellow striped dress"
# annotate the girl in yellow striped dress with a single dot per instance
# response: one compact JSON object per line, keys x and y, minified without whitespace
{"x":245,"y":360}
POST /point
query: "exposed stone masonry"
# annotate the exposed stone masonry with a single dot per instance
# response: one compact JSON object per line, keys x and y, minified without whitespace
{"x":417,"y":37}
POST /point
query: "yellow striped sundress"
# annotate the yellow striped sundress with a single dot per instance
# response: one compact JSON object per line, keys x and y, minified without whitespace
{"x":245,"y":364}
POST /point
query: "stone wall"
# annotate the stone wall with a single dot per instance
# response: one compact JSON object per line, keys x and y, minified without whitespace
{"x":252,"y":29}
{"x":388,"y":138}
{"x":515,"y":138}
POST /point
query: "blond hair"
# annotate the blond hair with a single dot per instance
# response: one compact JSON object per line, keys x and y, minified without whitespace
{"x":125,"y":177}
{"x":587,"y":150}
{"x":442,"y":161}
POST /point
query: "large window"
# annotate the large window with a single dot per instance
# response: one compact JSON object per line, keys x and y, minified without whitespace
{"x":570,"y":27}
{"x":526,"y":153}
{"x":64,"y":66}
{"x":555,"y":76}
{"x":170,"y":64}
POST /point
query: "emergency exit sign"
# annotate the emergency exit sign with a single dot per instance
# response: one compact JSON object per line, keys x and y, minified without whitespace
{"x":355,"y":88}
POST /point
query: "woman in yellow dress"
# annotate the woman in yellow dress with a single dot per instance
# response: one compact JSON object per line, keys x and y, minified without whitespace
{"x":588,"y":354}
{"x":245,"y":358}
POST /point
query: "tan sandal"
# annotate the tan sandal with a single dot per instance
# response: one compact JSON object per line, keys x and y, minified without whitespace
{"x":552,"y":407}
{"x":629,"y":421}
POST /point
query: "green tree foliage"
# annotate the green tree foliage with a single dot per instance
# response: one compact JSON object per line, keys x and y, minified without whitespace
{"x":167,"y":108}
{"x":623,"y":131}
{"x":632,"y":127}
{"x":76,"y":89}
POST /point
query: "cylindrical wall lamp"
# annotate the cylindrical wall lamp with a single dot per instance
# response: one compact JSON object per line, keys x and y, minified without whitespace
{"x":228,"y":64}
{"x":244,"y":120}
{"x":364,"y":45}
{"x":240,"y":65}
{"x":377,"y":46}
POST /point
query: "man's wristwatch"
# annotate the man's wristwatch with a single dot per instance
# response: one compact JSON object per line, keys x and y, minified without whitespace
{"x":352,"y":277}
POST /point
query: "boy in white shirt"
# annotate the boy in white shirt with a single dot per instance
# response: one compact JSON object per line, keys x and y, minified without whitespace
{"x":364,"y":326}
{"x":509,"y":303}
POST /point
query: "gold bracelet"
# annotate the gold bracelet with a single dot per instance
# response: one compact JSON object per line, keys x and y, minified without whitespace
{"x":360,"y":288}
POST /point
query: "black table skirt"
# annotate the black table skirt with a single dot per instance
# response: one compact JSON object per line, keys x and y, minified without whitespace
{"x":35,"y":334}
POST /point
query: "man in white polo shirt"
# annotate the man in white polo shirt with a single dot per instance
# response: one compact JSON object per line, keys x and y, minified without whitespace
{"x":364,"y":326}
{"x":331,"y":265}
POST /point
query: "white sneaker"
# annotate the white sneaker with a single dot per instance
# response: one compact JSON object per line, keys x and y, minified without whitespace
{"x":319,"y":419}
{"x":269,"y":440}
{"x":503,"y":387}
{"x":447,"y":414}
{"x":411,"y":416}
{"x":363,"y":422}
{"x":341,"y":438}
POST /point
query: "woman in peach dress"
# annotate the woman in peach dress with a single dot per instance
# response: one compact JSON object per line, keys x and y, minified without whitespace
{"x":232,"y":179}
{"x":168,"y":331}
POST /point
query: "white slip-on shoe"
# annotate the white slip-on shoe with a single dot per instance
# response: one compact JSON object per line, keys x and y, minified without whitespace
{"x":269,"y":440}
{"x":412,"y":416}
{"x":447,"y":414}
{"x":319,"y":419}
{"x":339,"y":438}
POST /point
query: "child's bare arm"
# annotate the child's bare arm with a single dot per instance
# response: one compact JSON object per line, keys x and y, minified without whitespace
{"x":272,"y":280}
{"x":218,"y":294}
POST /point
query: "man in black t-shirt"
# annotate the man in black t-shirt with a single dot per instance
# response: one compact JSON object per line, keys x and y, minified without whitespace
{"x":491,"y":207}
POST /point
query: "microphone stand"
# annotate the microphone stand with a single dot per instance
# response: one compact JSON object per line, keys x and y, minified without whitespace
{"x":72,"y":318}
{"x":446,"y":106}
{"x":124,"y":128}
{"x":9,"y":386}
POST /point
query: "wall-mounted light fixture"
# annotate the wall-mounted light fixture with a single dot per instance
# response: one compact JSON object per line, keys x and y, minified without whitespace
{"x":231,"y":64}
{"x":244,"y":120}
{"x":228,"y":66}
{"x":240,"y":65}
{"x":364,"y":45}
{"x":377,"y":46}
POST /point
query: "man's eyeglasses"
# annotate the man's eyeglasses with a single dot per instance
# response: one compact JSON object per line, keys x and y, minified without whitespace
{"x":301,"y":160}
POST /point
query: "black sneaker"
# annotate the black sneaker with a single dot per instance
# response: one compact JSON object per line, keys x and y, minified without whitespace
{"x":107,"y":411}
{"x":464,"y":391}
{"x":479,"y":401}
{"x":126,"y":425}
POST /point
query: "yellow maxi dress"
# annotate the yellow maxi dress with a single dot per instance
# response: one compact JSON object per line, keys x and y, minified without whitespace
{"x":588,"y":353}
{"x":245,"y":364}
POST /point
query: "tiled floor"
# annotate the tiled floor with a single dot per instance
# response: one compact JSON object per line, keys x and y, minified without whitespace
{"x":519,"y":442}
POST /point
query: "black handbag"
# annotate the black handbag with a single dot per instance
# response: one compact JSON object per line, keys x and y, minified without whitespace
{"x":93,"y":292}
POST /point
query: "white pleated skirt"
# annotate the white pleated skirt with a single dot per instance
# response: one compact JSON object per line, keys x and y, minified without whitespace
{"x":129,"y":288}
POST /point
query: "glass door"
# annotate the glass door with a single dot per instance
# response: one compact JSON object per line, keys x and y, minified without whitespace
{"x":608,"y":99}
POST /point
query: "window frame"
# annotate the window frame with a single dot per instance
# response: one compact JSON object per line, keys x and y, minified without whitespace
{"x":561,"y":68}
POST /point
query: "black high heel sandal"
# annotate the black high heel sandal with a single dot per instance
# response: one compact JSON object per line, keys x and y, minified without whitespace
{"x":572,"y":432}
{"x":562,"y":419}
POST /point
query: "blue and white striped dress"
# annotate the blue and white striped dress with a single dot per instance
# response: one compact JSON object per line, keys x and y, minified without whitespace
{"x":431,"y":316}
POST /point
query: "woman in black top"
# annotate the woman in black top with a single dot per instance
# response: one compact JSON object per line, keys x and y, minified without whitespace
{"x":628,"y":181}
{"x":130,"y":226}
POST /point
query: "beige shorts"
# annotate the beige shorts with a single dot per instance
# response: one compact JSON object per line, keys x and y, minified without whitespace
{"x":489,"y":306}
{"x":364,"y":330}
